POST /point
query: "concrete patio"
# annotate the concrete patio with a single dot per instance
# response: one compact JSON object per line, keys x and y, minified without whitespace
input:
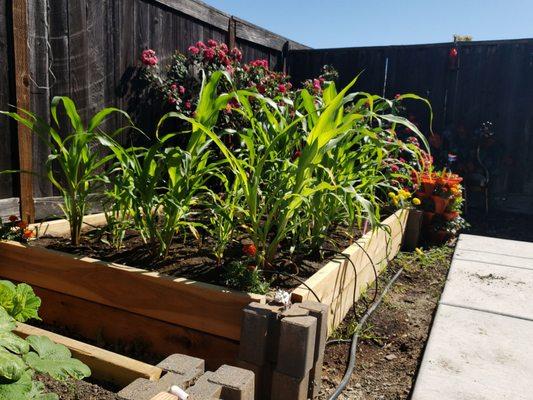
{"x":481,"y":341}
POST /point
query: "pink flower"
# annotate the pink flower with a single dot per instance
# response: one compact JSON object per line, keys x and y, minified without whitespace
{"x":282,"y":88}
{"x":173,"y":86}
{"x":316,"y":85}
{"x":201,"y":45}
{"x":188,"y":105}
{"x":194,"y":50}
{"x":171,"y":100}
{"x":221,"y":55}
{"x":149,"y":58}
{"x":236,"y":53}
{"x":394,"y":168}
{"x":181,"y":89}
{"x":230,"y":69}
{"x":223,"y":47}
{"x":212,"y":43}
{"x":209,"y":54}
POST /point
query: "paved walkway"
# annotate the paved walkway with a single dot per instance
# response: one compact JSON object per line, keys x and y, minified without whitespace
{"x":481,"y":342}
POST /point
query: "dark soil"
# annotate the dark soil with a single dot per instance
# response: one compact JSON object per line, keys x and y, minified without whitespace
{"x":392,"y":343}
{"x":76,"y":390}
{"x":194,"y":259}
{"x":501,"y":225}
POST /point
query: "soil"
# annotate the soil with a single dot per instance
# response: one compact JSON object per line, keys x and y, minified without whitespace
{"x":501,"y":225}
{"x":194,"y":259}
{"x":76,"y":390}
{"x":392,"y":342}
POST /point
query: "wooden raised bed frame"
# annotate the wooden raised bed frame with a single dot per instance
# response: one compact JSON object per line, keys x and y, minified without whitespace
{"x":175,"y":315}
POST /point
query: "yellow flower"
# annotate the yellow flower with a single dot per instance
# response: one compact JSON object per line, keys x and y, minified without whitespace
{"x":395,"y":202}
{"x":419,"y":251}
{"x":416,"y":201}
{"x":391,"y":195}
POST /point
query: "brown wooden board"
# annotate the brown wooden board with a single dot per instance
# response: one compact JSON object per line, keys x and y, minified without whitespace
{"x":204,"y":307}
{"x":105,"y":365}
{"x":124,"y":330}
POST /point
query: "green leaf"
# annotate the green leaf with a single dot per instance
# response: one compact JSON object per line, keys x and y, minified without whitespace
{"x":19,"y":301}
{"x":37,"y":392}
{"x":11,"y":366}
{"x":20,"y":389}
{"x":7,"y":322}
{"x":13,"y":343}
{"x":54,"y":359}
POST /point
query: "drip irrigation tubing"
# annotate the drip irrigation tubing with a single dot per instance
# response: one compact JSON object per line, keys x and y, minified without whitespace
{"x":353,"y":348}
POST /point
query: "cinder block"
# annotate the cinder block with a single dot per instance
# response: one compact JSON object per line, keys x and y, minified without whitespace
{"x":257,"y":333}
{"x":320,"y":311}
{"x":296,"y":349}
{"x":203,"y":389}
{"x":190,"y":368}
{"x":144,"y":389}
{"x":237,"y":383}
{"x":263,"y":378}
{"x":315,"y":378}
{"x":295,"y":311}
{"x":285,"y":387}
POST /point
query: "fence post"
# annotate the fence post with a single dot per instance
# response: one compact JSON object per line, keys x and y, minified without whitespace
{"x":22,"y":93}
{"x":285,"y":54}
{"x":232,"y":27}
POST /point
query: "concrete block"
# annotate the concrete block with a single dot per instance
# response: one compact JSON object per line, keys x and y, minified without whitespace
{"x":190,"y":368}
{"x":285,"y":387}
{"x":203,"y":389}
{"x":258,"y":333}
{"x":237,"y":383}
{"x":295,"y":311}
{"x":476,"y":355}
{"x":490,"y":287}
{"x":296,"y":349}
{"x":144,"y":389}
{"x":263,"y":379}
{"x":315,"y":378}
{"x":320,"y":311}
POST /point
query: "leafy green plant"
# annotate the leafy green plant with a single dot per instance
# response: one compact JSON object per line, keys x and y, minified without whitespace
{"x":76,"y":154}
{"x":21,"y":358}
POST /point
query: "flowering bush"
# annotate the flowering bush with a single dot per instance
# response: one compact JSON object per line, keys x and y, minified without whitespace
{"x":178,"y":85}
{"x":15,"y":229}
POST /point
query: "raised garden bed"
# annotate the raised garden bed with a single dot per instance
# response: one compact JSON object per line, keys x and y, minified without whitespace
{"x":119,"y":303}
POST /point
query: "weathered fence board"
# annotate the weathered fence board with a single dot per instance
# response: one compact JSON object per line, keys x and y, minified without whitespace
{"x":493,"y":82}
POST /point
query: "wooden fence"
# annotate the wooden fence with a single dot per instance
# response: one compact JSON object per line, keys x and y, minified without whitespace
{"x":87,"y":49}
{"x":490,"y":81}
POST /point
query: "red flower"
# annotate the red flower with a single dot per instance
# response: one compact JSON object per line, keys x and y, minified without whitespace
{"x":249,"y":249}
{"x":261,"y":89}
{"x":296,"y":154}
{"x":221,"y":55}
{"x":13,"y":218}
{"x":181,"y":90}
{"x":397,"y":96}
{"x":173,"y":86}
{"x":188,"y":105}
{"x":149,"y":58}
{"x":223,"y":47}
{"x":394,"y":168}
{"x":282,"y":88}
{"x":171,"y":99}
{"x":236,"y":53}
{"x":22,"y":225}
{"x":212,"y":43}
{"x":194,"y":50}
{"x":209,"y":54}
{"x":201,"y":45}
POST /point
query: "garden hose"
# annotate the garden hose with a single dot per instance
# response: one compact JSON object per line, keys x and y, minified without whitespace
{"x":353,"y":348}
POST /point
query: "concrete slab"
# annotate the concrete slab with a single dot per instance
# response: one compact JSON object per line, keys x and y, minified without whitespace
{"x":473,"y":355}
{"x":490,"y":288}
{"x":490,"y":257}
{"x":513,"y":248}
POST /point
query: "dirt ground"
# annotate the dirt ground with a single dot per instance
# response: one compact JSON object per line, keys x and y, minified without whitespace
{"x":393,"y":340}
{"x":76,"y":390}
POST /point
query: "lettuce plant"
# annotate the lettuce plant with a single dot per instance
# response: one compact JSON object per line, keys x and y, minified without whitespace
{"x":21,"y":358}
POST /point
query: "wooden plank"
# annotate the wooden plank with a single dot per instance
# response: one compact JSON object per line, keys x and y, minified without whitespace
{"x":61,"y":227}
{"x":105,"y":366}
{"x":22,"y":91}
{"x":205,"y":307}
{"x":9,"y":207}
{"x":122,"y":330}
{"x":338,"y":285}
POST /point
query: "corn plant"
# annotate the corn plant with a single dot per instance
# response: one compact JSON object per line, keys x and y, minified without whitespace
{"x":76,"y":155}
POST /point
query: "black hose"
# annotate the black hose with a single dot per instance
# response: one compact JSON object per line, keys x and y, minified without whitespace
{"x":353,"y":348}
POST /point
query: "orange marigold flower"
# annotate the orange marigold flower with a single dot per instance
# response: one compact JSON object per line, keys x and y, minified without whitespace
{"x":28,"y":234}
{"x":249,"y":249}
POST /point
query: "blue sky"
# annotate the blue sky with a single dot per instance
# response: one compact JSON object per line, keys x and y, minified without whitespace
{"x":345,"y":23}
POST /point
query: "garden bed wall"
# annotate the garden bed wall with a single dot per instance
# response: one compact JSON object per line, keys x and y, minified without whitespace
{"x":340,"y":283}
